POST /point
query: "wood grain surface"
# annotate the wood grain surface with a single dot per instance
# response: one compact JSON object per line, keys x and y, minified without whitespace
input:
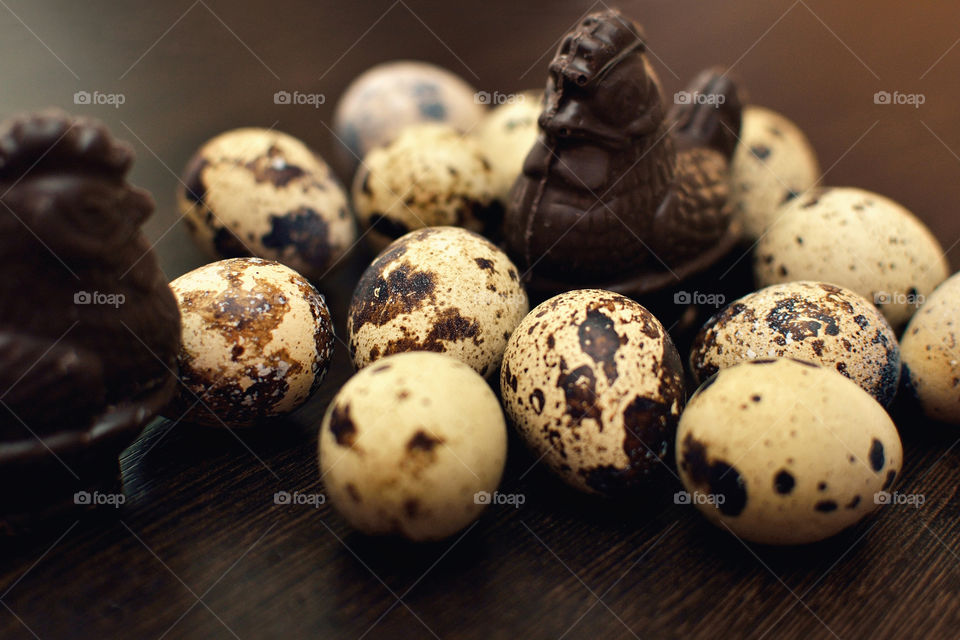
{"x":200,"y":550}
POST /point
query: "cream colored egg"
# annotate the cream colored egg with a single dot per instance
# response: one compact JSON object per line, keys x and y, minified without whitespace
{"x":773,"y":163}
{"x":259,"y":192}
{"x":385,"y":99}
{"x":785,"y":452}
{"x":931,"y":352}
{"x":858,"y":240}
{"x":431,"y":175}
{"x":594,"y":385}
{"x":506,"y":136}
{"x":812,"y":321}
{"x":440,"y":289}
{"x":414,"y":446}
{"x":256,"y":342}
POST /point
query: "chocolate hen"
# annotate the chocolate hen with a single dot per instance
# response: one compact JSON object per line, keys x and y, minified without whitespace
{"x":89,"y":329}
{"x":618,"y":192}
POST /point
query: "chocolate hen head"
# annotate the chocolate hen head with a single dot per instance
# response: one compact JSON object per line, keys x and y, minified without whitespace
{"x":89,"y":329}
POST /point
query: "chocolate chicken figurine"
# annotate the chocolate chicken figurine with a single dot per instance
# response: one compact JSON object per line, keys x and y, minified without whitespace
{"x":617,"y":193}
{"x":89,"y":328}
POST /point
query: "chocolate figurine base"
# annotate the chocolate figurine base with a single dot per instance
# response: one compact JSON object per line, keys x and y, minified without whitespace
{"x":43,"y":476}
{"x":645,"y":282}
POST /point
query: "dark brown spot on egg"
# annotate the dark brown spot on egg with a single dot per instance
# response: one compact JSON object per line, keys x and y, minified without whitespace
{"x":537,"y":400}
{"x":783,"y":482}
{"x":600,"y":340}
{"x":194,"y":188}
{"x":579,"y":389}
{"x":390,"y":288}
{"x":721,"y":478}
{"x":876,"y":456}
{"x":352,"y":492}
{"x":891,"y":476}
{"x":422,"y":441}
{"x":760,"y":152}
{"x":342,"y":427}
{"x":800,"y":318}
{"x":826,"y":506}
{"x":854,"y":503}
{"x":304,"y":232}
{"x":485,"y":264}
{"x":274,"y":168}
{"x":411,"y":507}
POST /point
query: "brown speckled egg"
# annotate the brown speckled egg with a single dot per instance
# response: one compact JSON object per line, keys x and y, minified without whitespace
{"x":855,"y":239}
{"x":257,"y":192}
{"x":410,"y":446}
{"x":931,"y":352}
{"x":594,"y":385}
{"x":430,"y":176}
{"x":257,"y":341}
{"x":785,"y":452}
{"x":506,"y":136}
{"x":811,"y":321}
{"x":442,"y":289}
{"x":386,"y":98}
{"x":773,"y":163}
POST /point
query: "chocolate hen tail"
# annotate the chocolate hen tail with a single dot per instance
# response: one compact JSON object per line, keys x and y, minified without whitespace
{"x":707,"y":114}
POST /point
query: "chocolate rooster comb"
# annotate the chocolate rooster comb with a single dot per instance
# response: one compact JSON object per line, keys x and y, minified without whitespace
{"x":617,"y":193}
{"x":89,"y":329}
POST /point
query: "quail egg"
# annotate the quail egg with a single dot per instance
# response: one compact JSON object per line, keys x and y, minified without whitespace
{"x":855,"y":239}
{"x":383,"y":100}
{"x":413,"y":445}
{"x":506,"y":136}
{"x":785,"y":452}
{"x":442,"y":289}
{"x":811,"y":321}
{"x":773,"y":163}
{"x":931,"y":352}
{"x":430,"y":176}
{"x":258,"y":192}
{"x":256,"y":342}
{"x":594,"y":385}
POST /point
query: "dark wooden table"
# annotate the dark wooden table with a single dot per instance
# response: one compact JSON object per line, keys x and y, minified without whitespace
{"x":199,"y":550}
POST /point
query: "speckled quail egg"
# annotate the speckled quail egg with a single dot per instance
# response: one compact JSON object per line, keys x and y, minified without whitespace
{"x":931,"y":352}
{"x":855,"y":239}
{"x":383,"y":100}
{"x":256,"y":342}
{"x":258,"y":192}
{"x":785,"y":452}
{"x":506,"y":136}
{"x":594,"y":385}
{"x":413,"y":446}
{"x":773,"y":163}
{"x":429,"y":176}
{"x":442,"y":289}
{"x":811,"y":321}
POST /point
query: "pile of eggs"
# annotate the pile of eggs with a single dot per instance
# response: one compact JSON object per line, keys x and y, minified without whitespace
{"x":785,"y":440}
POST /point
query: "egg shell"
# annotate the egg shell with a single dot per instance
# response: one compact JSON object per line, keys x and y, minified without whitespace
{"x":594,"y":385}
{"x":386,"y":98}
{"x":442,"y":289}
{"x":785,"y":452}
{"x":774,"y":162}
{"x":407,"y":444}
{"x":506,"y":136}
{"x":430,"y":176}
{"x":812,"y":321}
{"x":256,"y":341}
{"x":858,"y":240}
{"x":931,"y":352}
{"x":259,"y":192}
